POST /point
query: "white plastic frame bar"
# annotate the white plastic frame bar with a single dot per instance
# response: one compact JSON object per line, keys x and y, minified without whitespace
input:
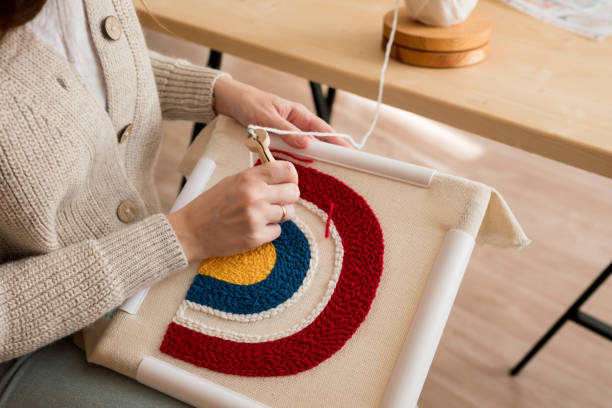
{"x":360,"y":161}
{"x":189,"y":388}
{"x":412,"y":365}
{"x":411,"y":368}
{"x":196,"y":184}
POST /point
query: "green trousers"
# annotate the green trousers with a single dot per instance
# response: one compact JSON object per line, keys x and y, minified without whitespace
{"x":59,"y":376}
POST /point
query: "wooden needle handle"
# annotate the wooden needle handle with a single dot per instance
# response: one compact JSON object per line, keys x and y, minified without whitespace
{"x":258,"y":142}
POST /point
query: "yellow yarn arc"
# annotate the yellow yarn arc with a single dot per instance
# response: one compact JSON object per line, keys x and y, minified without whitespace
{"x":245,"y":268}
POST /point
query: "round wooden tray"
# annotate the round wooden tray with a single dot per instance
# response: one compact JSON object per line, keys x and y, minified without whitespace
{"x":442,"y":47}
{"x":435,"y":59}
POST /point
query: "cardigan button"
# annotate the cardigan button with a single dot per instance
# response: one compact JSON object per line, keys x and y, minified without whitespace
{"x":125,"y":133}
{"x":127,"y":211}
{"x":112,"y":28}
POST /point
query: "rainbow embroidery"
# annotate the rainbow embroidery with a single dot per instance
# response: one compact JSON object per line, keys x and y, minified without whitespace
{"x":258,"y":286}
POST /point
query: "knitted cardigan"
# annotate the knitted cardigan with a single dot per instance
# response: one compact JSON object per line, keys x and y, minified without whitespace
{"x":65,"y":256}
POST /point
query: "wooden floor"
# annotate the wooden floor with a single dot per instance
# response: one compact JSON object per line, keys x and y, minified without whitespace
{"x":508,"y":298}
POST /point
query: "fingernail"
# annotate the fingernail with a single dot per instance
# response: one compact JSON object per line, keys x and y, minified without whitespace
{"x":304,"y":140}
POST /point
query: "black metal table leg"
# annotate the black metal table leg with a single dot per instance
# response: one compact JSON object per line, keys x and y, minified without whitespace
{"x":323,"y":103}
{"x":574,"y":314}
{"x":214,"y":59}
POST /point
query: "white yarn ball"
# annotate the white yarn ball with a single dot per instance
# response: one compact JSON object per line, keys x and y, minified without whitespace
{"x":440,"y":13}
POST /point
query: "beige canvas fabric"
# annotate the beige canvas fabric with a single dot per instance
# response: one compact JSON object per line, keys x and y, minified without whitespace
{"x":414,"y":221}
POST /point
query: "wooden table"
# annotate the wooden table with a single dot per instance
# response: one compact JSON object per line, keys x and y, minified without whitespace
{"x":541,"y":89}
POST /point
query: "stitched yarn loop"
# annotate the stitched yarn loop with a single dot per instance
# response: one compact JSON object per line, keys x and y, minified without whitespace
{"x":245,"y":268}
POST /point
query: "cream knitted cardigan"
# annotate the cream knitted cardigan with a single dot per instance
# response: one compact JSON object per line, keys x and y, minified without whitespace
{"x":65,"y":257}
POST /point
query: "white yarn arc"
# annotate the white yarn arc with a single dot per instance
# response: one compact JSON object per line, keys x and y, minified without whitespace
{"x":381,"y":83}
{"x":266,"y":314}
{"x":185,"y":321}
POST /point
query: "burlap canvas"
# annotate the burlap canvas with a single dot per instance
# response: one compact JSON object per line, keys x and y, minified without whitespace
{"x":414,"y":221}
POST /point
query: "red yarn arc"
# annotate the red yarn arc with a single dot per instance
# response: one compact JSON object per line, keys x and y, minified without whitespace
{"x":348,"y":306}
{"x":291,"y":155}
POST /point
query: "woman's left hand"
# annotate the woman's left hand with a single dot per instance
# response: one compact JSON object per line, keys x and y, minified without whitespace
{"x":249,"y":105}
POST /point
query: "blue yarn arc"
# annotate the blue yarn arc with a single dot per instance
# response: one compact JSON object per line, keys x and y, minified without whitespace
{"x":286,"y":277}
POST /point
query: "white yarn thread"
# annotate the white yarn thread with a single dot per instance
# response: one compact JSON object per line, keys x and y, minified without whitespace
{"x":381,"y":83}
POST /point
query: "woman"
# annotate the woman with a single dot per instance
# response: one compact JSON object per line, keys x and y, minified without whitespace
{"x":81,"y":103}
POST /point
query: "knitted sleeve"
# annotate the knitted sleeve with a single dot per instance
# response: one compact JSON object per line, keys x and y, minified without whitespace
{"x":185,"y":90}
{"x":44,"y":298}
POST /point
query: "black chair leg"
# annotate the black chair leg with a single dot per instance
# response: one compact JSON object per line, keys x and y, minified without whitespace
{"x":574,"y":314}
{"x":323,"y":103}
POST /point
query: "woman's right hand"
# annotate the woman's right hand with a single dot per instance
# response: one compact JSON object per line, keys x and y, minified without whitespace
{"x":239,"y":213}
